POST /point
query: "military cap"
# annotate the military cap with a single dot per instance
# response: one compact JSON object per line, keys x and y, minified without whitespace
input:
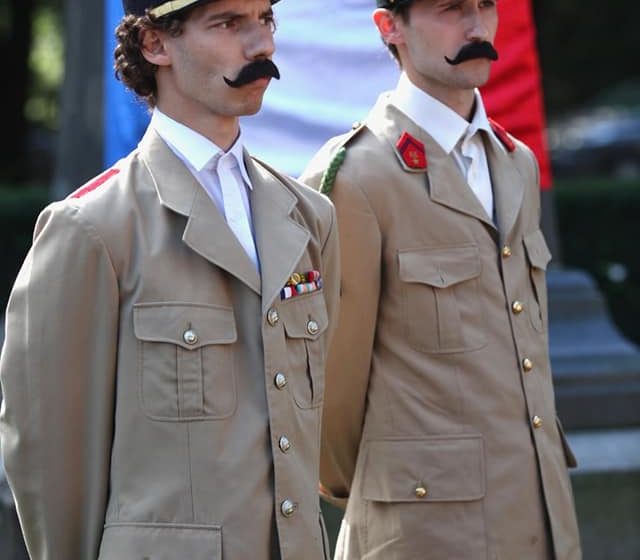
{"x":390,"y":4}
{"x":159,"y":8}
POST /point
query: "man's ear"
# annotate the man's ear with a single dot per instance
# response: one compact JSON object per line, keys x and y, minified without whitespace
{"x":387,"y":26}
{"x":153,"y":47}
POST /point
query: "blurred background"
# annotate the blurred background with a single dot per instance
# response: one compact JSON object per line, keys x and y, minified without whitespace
{"x":56,"y":134}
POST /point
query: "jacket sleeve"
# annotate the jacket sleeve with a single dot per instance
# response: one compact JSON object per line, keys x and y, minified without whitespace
{"x":57,"y":374}
{"x":350,"y":352}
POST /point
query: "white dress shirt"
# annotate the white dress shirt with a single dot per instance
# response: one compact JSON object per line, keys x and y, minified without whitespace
{"x":455,"y":135}
{"x":222,"y":174}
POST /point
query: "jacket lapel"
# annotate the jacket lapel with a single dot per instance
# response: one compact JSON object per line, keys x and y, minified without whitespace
{"x":446,"y":185}
{"x":508,"y":186}
{"x":281,"y":241}
{"x":206,"y":232}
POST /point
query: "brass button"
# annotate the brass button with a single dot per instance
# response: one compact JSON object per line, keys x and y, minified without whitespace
{"x":527,"y":364}
{"x":506,"y":251}
{"x":312,"y":327}
{"x":273,"y":317}
{"x":421,"y":492}
{"x":190,"y":337}
{"x":280,"y":380}
{"x":537,"y":422}
{"x":284,"y":444}
{"x":288,"y":508}
{"x":517,"y":307}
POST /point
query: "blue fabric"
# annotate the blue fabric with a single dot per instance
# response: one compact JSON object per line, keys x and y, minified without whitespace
{"x":125,"y":118}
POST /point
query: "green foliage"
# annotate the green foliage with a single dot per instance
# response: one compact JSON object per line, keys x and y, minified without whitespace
{"x":599,"y":230}
{"x":46,"y":61}
{"x":585,"y":47}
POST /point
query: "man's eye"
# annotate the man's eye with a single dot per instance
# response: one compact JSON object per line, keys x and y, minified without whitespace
{"x":230,"y":24}
{"x":270,"y":22}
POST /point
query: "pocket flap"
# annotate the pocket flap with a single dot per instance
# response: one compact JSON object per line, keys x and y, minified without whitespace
{"x":434,"y":469}
{"x":439,"y":268}
{"x":188,"y":325}
{"x":304,"y":316}
{"x":161,"y":542}
{"x":537,"y":250}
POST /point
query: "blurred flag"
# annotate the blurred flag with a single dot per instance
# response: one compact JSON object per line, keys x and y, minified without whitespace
{"x":333,"y":67}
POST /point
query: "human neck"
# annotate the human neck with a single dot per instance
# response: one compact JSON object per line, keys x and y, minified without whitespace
{"x":221,"y":130}
{"x":461,"y":101}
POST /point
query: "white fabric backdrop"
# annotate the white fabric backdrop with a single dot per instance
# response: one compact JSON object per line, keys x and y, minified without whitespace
{"x":333,"y":66}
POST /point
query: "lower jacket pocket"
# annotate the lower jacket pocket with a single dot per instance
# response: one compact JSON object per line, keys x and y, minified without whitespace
{"x":157,"y":541}
{"x":424,"y":494}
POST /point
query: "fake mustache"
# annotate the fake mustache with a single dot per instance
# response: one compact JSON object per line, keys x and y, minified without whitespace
{"x":254,"y":71}
{"x":473,"y":50}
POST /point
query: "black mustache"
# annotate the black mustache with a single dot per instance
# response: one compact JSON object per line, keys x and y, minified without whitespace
{"x":254,"y":71}
{"x":473,"y":50}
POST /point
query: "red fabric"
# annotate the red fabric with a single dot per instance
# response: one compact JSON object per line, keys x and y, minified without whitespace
{"x":412,"y":151}
{"x":513,"y":95}
{"x":93,"y":185}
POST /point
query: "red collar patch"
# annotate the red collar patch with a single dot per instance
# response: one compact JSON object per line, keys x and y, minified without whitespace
{"x":503,"y":136}
{"x":95,"y":183}
{"x":411,"y":150}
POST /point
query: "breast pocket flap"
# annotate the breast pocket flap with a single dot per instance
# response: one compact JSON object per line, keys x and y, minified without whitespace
{"x":434,"y":469}
{"x":537,"y":250}
{"x":439,"y":268}
{"x":190,"y":326}
{"x":305,"y":316}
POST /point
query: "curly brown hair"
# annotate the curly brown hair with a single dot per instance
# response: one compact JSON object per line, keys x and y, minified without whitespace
{"x":131,"y":67}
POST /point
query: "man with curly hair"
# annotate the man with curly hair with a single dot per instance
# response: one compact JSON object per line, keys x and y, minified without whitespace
{"x":163,"y":367}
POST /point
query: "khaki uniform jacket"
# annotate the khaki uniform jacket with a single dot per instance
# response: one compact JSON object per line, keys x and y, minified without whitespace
{"x":430,"y":405}
{"x":144,"y":417}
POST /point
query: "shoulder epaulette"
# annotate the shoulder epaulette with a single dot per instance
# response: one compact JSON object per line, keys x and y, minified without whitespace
{"x":503,"y":136}
{"x":331,"y":172}
{"x":95,"y":183}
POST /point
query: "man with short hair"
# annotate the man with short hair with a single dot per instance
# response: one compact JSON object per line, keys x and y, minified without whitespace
{"x":440,"y":425}
{"x":163,"y":368}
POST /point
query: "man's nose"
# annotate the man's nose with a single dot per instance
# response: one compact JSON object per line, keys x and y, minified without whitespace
{"x":260,"y":43}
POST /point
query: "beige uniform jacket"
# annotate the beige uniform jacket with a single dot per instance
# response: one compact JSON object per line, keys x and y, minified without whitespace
{"x":439,"y":421}
{"x":161,"y":400}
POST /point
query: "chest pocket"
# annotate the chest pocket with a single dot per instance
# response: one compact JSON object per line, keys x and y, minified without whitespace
{"x":305,"y":322}
{"x":538,"y":257}
{"x":186,"y":364}
{"x":440,"y":296}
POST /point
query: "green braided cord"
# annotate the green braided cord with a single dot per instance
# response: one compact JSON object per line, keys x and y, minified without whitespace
{"x":329,"y":176}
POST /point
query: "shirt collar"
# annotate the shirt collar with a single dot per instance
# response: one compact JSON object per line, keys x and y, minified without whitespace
{"x":196,"y":150}
{"x":445,"y":125}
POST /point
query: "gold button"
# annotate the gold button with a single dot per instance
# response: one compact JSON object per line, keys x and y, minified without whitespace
{"x":312,"y":327}
{"x":537,"y":422}
{"x":273,"y":317}
{"x":506,"y":251}
{"x":284,"y":444}
{"x":517,"y":307}
{"x":190,"y":337}
{"x":421,"y":492}
{"x":280,"y":380}
{"x":527,"y":364}
{"x":288,"y":508}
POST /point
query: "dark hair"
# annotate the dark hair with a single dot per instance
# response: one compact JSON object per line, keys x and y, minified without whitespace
{"x":131,"y":67}
{"x":403,"y":11}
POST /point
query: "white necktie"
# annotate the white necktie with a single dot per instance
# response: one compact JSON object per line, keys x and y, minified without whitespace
{"x":477,"y":170}
{"x":234,"y":209}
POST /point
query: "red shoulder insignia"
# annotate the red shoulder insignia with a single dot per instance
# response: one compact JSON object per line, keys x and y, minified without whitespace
{"x":411,"y":152}
{"x":503,"y":136}
{"x":95,"y":183}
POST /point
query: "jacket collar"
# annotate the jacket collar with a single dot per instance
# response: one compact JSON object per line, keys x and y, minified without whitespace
{"x":280,"y":240}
